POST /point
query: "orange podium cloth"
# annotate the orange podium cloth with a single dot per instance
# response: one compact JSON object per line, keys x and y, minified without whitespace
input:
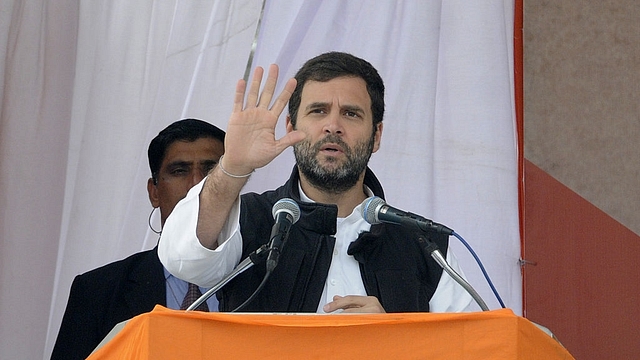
{"x":172,"y":334}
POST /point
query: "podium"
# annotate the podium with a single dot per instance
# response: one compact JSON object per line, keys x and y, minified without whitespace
{"x":173,"y":334}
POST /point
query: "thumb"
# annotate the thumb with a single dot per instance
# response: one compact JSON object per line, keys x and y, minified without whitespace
{"x":290,"y":139}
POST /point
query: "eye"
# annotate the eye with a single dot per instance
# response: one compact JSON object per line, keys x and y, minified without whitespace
{"x":179,"y":171}
{"x":207,"y":167}
{"x":317,"y":111}
{"x":176,"y":170}
{"x":350,"y":113}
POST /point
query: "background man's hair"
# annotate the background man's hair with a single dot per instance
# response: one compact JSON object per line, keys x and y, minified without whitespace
{"x":182,"y":130}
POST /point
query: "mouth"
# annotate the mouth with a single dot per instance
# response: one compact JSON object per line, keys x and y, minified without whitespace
{"x":331,"y":149}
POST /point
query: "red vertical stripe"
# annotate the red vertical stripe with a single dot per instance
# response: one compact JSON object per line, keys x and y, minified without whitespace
{"x":519,"y":93}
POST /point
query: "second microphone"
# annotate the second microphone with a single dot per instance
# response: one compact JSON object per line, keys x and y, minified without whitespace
{"x":286,"y":212}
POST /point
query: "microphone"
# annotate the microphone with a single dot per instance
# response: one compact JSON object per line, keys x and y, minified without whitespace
{"x":375,"y":210}
{"x":286,"y":212}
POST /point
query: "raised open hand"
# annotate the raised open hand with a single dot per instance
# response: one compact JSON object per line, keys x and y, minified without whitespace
{"x":250,"y":142}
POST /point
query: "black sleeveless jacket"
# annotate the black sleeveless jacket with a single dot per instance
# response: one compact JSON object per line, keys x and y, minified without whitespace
{"x":392,"y":264}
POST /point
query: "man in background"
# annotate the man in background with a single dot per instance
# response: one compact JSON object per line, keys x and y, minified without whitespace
{"x":180,"y":156}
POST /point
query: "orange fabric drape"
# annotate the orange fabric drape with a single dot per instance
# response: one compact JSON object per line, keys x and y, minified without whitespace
{"x":170,"y":334}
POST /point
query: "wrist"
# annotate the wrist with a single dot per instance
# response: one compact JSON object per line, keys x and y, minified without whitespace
{"x":231,"y":174}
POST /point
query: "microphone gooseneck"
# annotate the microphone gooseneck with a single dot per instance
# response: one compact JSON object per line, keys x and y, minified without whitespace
{"x":375,"y":210}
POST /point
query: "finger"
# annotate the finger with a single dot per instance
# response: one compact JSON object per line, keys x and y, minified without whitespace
{"x":369,"y":307}
{"x":284,"y":96}
{"x":339,"y":303}
{"x":289,"y":139}
{"x":238,"y":99}
{"x":330,"y":307}
{"x":252,"y":96}
{"x":269,"y":87}
{"x":355,"y":304}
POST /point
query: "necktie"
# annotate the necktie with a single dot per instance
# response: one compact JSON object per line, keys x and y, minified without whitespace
{"x":193,"y":293}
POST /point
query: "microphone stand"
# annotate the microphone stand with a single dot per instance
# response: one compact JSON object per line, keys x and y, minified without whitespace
{"x":431,"y":249}
{"x":254,"y":258}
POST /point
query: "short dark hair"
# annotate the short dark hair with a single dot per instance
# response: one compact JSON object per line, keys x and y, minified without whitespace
{"x":331,"y":65}
{"x":182,"y":130}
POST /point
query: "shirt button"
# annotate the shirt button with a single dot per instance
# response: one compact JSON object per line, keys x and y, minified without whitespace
{"x":333,"y":281}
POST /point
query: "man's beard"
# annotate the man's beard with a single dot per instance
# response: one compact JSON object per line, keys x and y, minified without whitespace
{"x":334,"y":180}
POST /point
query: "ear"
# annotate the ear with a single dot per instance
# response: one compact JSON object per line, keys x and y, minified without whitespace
{"x":289,"y":125}
{"x":152,"y":189}
{"x":377,"y":137}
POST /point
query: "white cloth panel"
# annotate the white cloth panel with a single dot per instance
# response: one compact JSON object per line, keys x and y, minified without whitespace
{"x":37,"y":76}
{"x":87,"y":84}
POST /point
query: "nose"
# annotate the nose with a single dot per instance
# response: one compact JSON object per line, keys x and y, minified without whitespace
{"x":333,"y":123}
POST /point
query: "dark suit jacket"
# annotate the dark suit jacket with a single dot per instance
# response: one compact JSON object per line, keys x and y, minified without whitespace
{"x":101,"y":298}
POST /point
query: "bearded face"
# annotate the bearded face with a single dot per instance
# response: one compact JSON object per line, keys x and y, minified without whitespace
{"x":331,"y":173}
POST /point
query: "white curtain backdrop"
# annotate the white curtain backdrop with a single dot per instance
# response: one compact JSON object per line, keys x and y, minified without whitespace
{"x":85,"y":85}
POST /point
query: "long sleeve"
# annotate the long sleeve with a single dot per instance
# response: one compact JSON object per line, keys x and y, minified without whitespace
{"x":182,"y":254}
